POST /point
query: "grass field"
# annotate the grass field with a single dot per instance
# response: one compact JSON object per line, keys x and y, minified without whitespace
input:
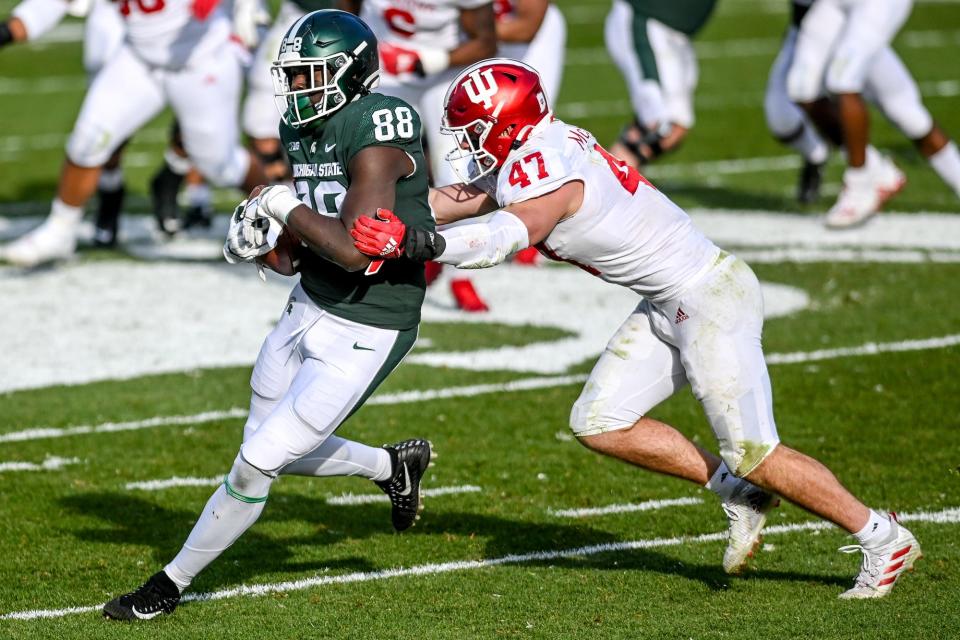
{"x":515,"y":547}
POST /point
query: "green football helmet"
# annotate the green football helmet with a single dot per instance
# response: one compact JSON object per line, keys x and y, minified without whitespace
{"x":327,"y":59}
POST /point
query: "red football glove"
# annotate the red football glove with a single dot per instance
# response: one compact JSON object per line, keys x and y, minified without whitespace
{"x":379,"y":237}
{"x":397,"y":60}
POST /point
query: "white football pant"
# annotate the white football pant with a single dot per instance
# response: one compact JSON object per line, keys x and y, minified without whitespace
{"x":889,"y":86}
{"x":838,"y":44}
{"x":709,"y":337}
{"x":204,"y":96}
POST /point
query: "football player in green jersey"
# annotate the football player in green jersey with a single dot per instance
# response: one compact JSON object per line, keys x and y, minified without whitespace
{"x":348,"y":323}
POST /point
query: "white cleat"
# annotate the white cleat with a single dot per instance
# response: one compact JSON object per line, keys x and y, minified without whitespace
{"x":55,"y":239}
{"x":864,"y":193}
{"x":884,"y":563}
{"x":746,"y":511}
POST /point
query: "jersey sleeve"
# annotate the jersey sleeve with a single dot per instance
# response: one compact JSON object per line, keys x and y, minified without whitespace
{"x":385,"y":122}
{"x":533,"y":172}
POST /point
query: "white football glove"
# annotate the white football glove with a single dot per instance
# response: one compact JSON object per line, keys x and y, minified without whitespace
{"x":250,"y":21}
{"x":250,"y":235}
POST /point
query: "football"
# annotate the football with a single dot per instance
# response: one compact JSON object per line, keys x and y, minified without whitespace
{"x":285,"y":257}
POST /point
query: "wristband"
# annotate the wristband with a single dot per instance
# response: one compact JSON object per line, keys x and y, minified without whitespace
{"x":277,"y":202}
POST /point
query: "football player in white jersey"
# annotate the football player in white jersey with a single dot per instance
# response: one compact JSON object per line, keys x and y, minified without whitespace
{"x":838,"y":43}
{"x":888,"y":85}
{"x":534,"y":32}
{"x":700,"y":319}
{"x":177,"y":52}
{"x":102,"y":36}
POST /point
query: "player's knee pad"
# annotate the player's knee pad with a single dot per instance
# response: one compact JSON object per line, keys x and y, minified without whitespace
{"x":224,"y":171}
{"x":905,"y":110}
{"x":802,"y":86}
{"x":247,"y":483}
{"x":91,"y":144}
{"x":269,"y":447}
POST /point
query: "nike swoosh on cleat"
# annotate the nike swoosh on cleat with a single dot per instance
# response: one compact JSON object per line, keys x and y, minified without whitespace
{"x":406,"y":480}
{"x":144,"y":616}
{"x":359,"y":347}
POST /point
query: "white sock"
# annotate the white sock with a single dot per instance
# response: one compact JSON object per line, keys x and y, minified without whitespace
{"x":197,"y":195}
{"x":946,"y":163}
{"x":223,"y":520}
{"x":110,"y":180}
{"x":64,"y":214}
{"x":723,"y":482}
{"x":811,"y":146}
{"x":877,"y":529}
{"x":340,"y":457}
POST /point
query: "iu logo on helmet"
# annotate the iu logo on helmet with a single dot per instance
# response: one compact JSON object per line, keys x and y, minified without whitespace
{"x":481,"y":86}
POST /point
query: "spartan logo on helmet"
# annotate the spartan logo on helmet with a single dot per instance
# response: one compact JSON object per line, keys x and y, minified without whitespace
{"x":327,"y":59}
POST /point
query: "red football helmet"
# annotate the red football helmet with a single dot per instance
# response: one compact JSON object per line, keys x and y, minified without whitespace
{"x":491,"y":108}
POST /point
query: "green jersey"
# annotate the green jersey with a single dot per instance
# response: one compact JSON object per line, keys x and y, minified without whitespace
{"x":320,"y":156}
{"x":686,"y":16}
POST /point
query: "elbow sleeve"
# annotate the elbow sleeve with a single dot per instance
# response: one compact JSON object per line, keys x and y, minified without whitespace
{"x":484,"y":244}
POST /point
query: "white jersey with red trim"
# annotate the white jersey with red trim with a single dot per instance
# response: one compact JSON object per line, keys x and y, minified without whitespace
{"x":418,"y":23}
{"x":625,"y":231}
{"x":168,"y":33}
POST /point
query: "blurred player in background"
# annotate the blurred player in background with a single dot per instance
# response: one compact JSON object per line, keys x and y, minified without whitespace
{"x":888,"y":85}
{"x":649,"y":40}
{"x":176,"y":52}
{"x":423,"y":45}
{"x":838,"y":43}
{"x":102,"y":37}
{"x":700,"y":318}
{"x":349,"y":321}
{"x":251,"y":20}
{"x":534,"y":32}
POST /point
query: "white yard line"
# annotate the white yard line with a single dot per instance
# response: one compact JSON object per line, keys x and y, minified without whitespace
{"x":346,"y":499}
{"x":351,"y":499}
{"x":113,"y":427}
{"x":946,"y":516}
{"x":175,"y":481}
{"x":52,"y":463}
{"x":649,"y":505}
{"x":524,"y":384}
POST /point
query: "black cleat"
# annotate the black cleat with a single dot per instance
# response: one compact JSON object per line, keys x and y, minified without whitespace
{"x":158,"y":596}
{"x":108,"y":216}
{"x":409,"y":460}
{"x":163,"y":191}
{"x":811,"y":177}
